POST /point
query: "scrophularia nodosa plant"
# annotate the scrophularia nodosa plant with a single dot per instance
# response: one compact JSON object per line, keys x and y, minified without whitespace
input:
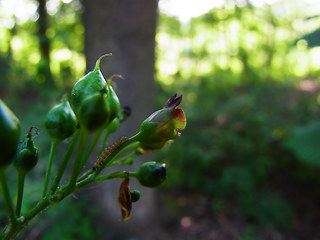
{"x":94,"y":109}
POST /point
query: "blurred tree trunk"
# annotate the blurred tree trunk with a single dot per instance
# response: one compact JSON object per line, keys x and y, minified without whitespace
{"x":127,"y":29}
{"x":44,"y":72}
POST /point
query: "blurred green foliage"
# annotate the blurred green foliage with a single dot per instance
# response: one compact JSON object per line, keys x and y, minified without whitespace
{"x":232,"y":148}
{"x":248,"y":109}
{"x":75,"y":221}
{"x":20,"y":52}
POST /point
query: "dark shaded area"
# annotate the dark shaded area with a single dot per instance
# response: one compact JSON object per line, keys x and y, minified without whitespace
{"x":233,"y":175}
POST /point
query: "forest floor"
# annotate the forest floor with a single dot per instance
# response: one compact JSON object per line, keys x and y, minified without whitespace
{"x":191,"y":217}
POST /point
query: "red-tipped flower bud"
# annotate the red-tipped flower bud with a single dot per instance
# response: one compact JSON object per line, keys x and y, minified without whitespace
{"x":162,"y":125}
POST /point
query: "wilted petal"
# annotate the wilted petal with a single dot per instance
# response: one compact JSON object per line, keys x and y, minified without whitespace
{"x":124,"y":200}
{"x":174,"y":101}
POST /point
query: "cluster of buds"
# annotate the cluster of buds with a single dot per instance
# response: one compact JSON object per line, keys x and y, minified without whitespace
{"x":94,"y":108}
{"x":94,"y":101}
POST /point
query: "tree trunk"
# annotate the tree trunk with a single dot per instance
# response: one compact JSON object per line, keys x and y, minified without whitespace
{"x":44,"y":72}
{"x":127,"y":29}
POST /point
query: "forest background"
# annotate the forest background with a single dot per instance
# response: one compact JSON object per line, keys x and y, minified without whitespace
{"x":247,"y":165}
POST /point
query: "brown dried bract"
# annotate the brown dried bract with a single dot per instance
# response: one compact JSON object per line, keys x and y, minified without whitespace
{"x":124,"y":200}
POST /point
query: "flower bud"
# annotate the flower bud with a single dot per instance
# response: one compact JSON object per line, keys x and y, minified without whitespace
{"x":90,"y":84}
{"x":9,"y":134}
{"x":94,"y":100}
{"x":135,"y":195}
{"x":162,"y":125}
{"x":93,"y":113}
{"x":27,"y":155}
{"x":113,"y":102}
{"x":113,"y":126}
{"x":60,"y":121}
{"x":151,"y":174}
{"x":115,"y":123}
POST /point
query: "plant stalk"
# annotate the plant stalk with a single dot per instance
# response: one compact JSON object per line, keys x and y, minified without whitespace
{"x":65,"y":161}
{"x":104,"y":142}
{"x":90,"y":150}
{"x":81,"y":149}
{"x":115,"y":153}
{"x":6,"y":197}
{"x":21,"y":177}
{"x":54,"y":145}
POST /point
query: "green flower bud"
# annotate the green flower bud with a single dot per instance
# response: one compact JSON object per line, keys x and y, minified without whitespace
{"x":135,"y":195}
{"x":94,"y":100}
{"x":60,"y":121}
{"x":151,"y":174}
{"x":90,"y":84}
{"x":93,"y":113}
{"x":9,"y":134}
{"x":113,"y":101}
{"x":113,"y":126}
{"x":115,"y":123}
{"x":27,"y":155}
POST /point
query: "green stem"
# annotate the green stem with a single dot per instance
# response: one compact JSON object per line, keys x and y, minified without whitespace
{"x":81,"y":149}
{"x":21,"y":177}
{"x":130,"y":144}
{"x":120,"y":174}
{"x":74,"y":185}
{"x":123,"y":160}
{"x":85,"y":175}
{"x":115,"y":153}
{"x":90,"y":150}
{"x":64,"y":162}
{"x":41,"y":205}
{"x":125,"y":149}
{"x":6,"y":197}
{"x":54,"y":145}
{"x":104,"y":142}
{"x":92,"y":178}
